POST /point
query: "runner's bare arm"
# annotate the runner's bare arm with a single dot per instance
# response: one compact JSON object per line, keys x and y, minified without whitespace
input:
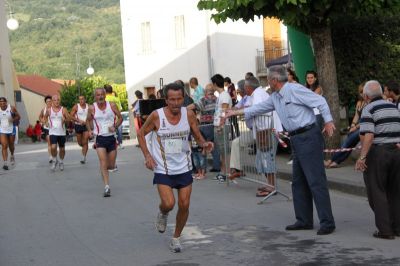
{"x":208,"y":146}
{"x":117,"y":113}
{"x":16,"y":117}
{"x":148,"y":126}
{"x":73,"y":112}
{"x":68,"y":117}
{"x":89,"y":120}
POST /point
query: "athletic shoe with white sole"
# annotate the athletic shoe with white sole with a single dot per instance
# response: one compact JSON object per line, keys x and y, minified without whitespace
{"x":175,"y":245}
{"x":61,"y":165}
{"x":12,"y":160}
{"x":161,"y":223}
{"x":115,"y":169}
{"x":107,"y":192}
{"x":54,"y":165}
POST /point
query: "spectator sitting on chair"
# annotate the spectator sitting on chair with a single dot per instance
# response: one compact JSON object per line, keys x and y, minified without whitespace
{"x":353,"y":137}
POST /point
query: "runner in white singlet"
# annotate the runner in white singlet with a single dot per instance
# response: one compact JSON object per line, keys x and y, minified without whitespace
{"x":45,"y":124}
{"x":57,"y":116}
{"x":102,"y":120}
{"x":8,"y":117}
{"x":80,"y":111}
{"x":169,"y":157}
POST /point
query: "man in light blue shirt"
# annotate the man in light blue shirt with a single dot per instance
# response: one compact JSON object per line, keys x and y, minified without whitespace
{"x":294,"y":105}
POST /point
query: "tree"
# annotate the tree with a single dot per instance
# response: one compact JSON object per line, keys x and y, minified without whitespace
{"x":69,"y":93}
{"x":313,"y":17}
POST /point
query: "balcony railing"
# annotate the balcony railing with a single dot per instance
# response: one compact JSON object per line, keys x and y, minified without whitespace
{"x":266,"y":55}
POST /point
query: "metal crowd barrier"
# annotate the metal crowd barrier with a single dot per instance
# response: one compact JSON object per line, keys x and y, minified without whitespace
{"x":256,"y":147}
{"x":252,"y":150}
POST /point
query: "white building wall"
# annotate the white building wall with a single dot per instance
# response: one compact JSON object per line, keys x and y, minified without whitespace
{"x":6,"y":73}
{"x":232,"y":50}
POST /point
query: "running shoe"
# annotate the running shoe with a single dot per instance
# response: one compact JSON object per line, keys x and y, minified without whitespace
{"x":12,"y":160}
{"x":83,"y":160}
{"x":115,"y":169}
{"x":61,"y":165}
{"x":161,"y":223}
{"x":5,"y":167}
{"x":54,"y":165}
{"x":50,"y":160}
{"x":221,"y":178}
{"x":175,"y":245}
{"x":107,"y":192}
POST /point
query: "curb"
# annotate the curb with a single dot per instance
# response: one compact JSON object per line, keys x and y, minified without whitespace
{"x":332,"y":184}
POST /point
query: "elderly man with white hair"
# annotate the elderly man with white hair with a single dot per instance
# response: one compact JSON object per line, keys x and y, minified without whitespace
{"x":380,"y":159}
{"x":294,"y":105}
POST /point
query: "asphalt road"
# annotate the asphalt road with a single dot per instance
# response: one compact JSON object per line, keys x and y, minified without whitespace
{"x":61,"y":218}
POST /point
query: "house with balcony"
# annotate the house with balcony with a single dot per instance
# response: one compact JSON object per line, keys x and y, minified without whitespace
{"x":168,"y":40}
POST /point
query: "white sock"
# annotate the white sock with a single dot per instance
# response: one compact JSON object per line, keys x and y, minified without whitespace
{"x":106,"y":187}
{"x":60,"y":160}
{"x":5,"y":162}
{"x":54,"y":159}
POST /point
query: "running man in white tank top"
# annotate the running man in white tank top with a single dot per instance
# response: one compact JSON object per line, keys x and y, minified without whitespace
{"x":45,"y":124}
{"x":8,"y":117}
{"x":80,"y":111}
{"x":169,"y":157}
{"x":102,"y":121}
{"x":57,"y":116}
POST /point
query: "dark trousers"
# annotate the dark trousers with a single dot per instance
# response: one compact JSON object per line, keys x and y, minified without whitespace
{"x":208,"y":133}
{"x":309,"y":179}
{"x":351,"y":141}
{"x":382,"y":180}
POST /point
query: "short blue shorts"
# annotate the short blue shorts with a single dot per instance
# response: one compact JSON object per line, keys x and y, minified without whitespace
{"x":107,"y":142}
{"x":174,"y":181}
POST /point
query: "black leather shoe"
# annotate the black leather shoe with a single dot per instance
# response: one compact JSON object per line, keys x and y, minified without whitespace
{"x":325,"y":231}
{"x":296,"y":226}
{"x":214,"y":170}
{"x":378,"y":234}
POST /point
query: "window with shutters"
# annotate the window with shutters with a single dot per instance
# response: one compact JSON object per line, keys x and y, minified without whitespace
{"x":180,"y":40}
{"x":146,"y":38}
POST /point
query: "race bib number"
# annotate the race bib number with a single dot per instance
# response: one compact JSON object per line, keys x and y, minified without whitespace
{"x":105,"y":128}
{"x":5,"y":122}
{"x":57,"y":124}
{"x":173,"y":146}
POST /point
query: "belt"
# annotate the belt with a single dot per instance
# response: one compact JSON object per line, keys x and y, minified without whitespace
{"x":301,"y":130}
{"x":206,"y":123}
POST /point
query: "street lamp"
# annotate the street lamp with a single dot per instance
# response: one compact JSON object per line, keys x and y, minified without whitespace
{"x":12,"y":23}
{"x":90,"y":69}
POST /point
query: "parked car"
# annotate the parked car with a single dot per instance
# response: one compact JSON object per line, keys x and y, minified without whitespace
{"x":125,"y":124}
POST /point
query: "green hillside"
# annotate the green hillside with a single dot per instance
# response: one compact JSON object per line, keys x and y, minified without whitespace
{"x":53,"y":32}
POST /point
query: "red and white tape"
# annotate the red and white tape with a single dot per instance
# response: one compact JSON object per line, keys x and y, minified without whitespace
{"x":286,"y":135}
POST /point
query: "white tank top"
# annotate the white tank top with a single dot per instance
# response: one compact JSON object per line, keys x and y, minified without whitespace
{"x":57,"y":127}
{"x":170,"y":145}
{"x":81,"y":113}
{"x":6,"y":124}
{"x":103,"y":119}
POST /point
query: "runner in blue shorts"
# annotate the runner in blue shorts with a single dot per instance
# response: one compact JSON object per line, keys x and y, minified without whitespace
{"x":8,"y":117}
{"x":102,"y":120}
{"x":169,"y":157}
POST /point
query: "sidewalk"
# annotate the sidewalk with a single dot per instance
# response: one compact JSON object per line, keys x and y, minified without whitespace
{"x":344,"y":178}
